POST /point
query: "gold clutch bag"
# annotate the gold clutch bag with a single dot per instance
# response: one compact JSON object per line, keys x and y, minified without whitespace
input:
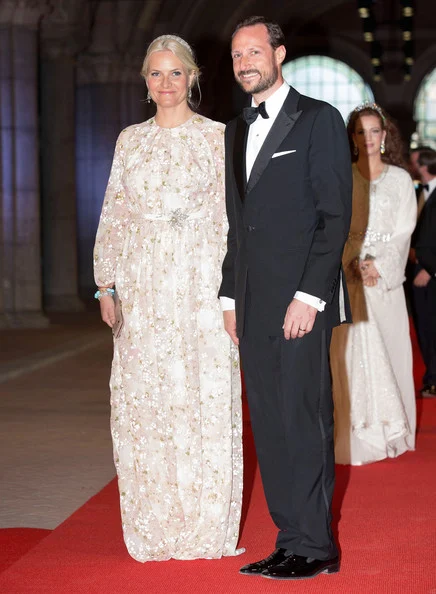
{"x":119,"y":321}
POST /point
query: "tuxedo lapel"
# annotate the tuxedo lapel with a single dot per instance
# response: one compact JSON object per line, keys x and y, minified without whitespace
{"x":282,"y":126}
{"x":431,"y":199}
{"x":239,"y":147}
{"x":425,"y":209}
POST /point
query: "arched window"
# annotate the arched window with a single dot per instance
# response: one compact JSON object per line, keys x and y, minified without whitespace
{"x":333,"y":81}
{"x":425,"y":111}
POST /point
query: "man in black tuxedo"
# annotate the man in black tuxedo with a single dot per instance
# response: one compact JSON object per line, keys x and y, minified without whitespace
{"x":414,"y":167}
{"x":424,"y":282}
{"x":411,"y":263}
{"x":288,"y":193}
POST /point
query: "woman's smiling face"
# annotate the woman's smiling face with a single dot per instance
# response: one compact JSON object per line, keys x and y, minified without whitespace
{"x":167,"y":79}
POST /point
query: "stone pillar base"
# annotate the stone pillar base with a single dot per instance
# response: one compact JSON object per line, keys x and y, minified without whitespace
{"x":63,"y":303}
{"x":23,"y":319}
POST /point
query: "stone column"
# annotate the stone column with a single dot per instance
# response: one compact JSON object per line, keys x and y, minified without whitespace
{"x":20,"y":260}
{"x":58,"y":167}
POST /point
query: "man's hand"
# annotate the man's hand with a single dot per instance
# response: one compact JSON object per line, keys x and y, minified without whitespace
{"x":230,"y":324}
{"x":299,"y":319}
{"x":107,"y":309}
{"x":422,"y":278}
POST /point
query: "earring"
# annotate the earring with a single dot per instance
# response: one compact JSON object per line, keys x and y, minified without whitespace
{"x":382,"y":148}
{"x":356,"y":150}
{"x":189,"y":94}
{"x":148,"y":97}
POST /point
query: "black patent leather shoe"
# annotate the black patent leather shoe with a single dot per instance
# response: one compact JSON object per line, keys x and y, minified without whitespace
{"x":300,"y":568}
{"x":428,"y":392}
{"x":275,"y":558}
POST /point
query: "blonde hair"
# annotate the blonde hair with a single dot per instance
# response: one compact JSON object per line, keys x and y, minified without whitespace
{"x":181,"y":49}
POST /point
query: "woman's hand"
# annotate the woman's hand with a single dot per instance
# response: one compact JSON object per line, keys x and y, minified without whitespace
{"x":230,"y":325}
{"x":370,"y":282}
{"x":107,"y":309}
{"x":369,"y":273}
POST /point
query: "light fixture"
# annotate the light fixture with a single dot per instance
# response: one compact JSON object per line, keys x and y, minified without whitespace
{"x":364,"y":8}
{"x":406,"y":24}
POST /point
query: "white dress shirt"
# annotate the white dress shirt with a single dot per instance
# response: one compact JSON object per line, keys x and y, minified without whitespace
{"x":259,"y":129}
{"x":257,"y":134}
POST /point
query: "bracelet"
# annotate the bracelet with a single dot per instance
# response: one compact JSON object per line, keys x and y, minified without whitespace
{"x":104,"y":293}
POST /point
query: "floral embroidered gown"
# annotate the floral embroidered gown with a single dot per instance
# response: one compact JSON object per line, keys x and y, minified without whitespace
{"x":371,"y":360}
{"x":175,"y":383}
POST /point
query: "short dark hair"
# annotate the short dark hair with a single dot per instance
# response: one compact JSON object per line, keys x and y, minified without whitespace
{"x":275,"y":33}
{"x":420,"y":148}
{"x":428,"y":159}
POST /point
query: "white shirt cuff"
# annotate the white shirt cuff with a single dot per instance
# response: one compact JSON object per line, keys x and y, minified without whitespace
{"x":227,"y":303}
{"x":310,"y":300}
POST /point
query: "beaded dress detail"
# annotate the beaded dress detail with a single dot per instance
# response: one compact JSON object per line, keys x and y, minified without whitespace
{"x":175,"y":381}
{"x":371,"y":359}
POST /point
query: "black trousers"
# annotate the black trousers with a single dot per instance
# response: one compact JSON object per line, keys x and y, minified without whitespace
{"x":424,"y":316}
{"x":291,"y":409}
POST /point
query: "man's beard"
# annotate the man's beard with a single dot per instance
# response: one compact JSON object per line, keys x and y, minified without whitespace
{"x":264,"y":84}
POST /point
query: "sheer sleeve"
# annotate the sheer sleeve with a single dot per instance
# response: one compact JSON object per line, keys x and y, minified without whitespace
{"x":215,"y":139}
{"x":391,"y":257}
{"x":220,"y":177}
{"x":113,"y":220}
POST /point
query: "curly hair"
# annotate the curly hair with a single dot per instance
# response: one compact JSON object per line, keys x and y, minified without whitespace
{"x":394,"y":146}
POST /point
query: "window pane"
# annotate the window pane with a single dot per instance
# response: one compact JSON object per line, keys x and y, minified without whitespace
{"x":425,"y":112}
{"x":324,"y":78}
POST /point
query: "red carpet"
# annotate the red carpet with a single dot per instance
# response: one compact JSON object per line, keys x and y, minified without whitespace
{"x":16,"y":542}
{"x":386,"y":523}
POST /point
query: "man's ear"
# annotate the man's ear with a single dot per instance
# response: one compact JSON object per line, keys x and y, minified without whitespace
{"x":280,"y":54}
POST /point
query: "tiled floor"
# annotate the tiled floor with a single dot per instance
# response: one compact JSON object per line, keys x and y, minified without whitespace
{"x":55,"y":445}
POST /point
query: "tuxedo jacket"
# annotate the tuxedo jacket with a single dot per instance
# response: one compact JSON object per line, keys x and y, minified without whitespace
{"x":425,"y":236}
{"x":289,"y":221}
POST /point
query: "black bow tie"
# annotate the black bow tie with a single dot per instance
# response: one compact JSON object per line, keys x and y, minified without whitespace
{"x":250,"y":113}
{"x":424,"y":187}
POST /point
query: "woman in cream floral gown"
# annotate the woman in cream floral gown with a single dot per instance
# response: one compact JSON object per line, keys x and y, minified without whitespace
{"x":374,"y":396}
{"x":175,"y":383}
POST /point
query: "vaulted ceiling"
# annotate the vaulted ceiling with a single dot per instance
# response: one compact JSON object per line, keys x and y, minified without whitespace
{"x":332,"y":27}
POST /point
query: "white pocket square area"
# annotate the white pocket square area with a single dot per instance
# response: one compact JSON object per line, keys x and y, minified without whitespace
{"x":283,"y":153}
